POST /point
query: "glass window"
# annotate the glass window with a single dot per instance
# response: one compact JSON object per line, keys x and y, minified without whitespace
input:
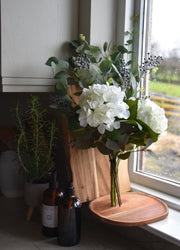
{"x":164,"y":88}
{"x":160,"y":36}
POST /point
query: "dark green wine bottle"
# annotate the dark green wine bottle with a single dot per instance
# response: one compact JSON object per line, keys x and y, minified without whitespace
{"x":69,"y":219}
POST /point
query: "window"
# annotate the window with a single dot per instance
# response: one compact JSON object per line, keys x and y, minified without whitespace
{"x":158,"y":34}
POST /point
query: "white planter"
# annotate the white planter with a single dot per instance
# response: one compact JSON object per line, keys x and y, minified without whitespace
{"x":11,"y":178}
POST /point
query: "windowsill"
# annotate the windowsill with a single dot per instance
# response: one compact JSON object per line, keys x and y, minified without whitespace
{"x":167,"y":228}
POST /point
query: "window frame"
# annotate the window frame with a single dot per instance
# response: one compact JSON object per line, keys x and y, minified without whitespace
{"x":136,"y":159}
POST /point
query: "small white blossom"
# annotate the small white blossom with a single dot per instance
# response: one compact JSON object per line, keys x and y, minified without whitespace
{"x":153,"y":115}
{"x":100,"y":105}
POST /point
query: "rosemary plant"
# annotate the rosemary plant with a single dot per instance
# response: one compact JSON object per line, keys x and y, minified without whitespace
{"x":35,"y":141}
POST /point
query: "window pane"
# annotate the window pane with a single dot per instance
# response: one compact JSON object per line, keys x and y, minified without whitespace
{"x":164,"y":88}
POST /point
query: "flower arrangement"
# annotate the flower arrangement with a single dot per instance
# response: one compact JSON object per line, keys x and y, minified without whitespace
{"x":110,"y":112}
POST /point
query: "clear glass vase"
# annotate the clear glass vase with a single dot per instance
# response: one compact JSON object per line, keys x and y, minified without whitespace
{"x":115,"y":190}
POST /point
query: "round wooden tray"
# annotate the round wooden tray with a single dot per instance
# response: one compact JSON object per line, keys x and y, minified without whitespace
{"x":137,"y":209}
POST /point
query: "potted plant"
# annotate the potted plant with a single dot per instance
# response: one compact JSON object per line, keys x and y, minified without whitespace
{"x":35,"y":147}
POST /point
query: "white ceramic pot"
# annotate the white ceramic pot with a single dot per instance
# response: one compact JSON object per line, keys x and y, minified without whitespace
{"x":11,"y":178}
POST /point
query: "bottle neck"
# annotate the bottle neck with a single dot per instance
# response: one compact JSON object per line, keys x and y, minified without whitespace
{"x":70,"y":191}
{"x":52,"y":182}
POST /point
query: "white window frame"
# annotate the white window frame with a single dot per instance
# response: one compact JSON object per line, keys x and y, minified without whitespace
{"x":138,"y":177}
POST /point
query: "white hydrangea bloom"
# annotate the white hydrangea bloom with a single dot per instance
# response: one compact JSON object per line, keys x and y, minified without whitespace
{"x":100,"y":105}
{"x":153,"y":115}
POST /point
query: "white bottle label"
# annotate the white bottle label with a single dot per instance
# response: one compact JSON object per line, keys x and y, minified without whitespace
{"x":49,"y":216}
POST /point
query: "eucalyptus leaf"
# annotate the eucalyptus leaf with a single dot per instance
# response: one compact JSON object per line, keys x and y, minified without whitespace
{"x":93,"y":59}
{"x":88,"y":52}
{"x":105,"y":66}
{"x":113,"y":135}
{"x":63,"y":64}
{"x":62,"y":75}
{"x":100,"y":59}
{"x":116,"y":70}
{"x":95,"y":72}
{"x":123,"y":140}
{"x":128,"y":42}
{"x":85,"y":77}
{"x":118,"y":57}
{"x":153,"y":135}
{"x":133,"y":32}
{"x":94,"y":49}
{"x":53,"y":66}
{"x":122,"y":49}
{"x":109,"y":45}
{"x":114,"y":55}
{"x":105,"y":45}
{"x":75,"y":43}
{"x":130,"y":62}
{"x":52,"y":59}
{"x":112,"y":145}
{"x":131,"y":52}
{"x":138,"y":138}
{"x":66,"y":100}
{"x":80,"y":48}
{"x":61,"y":87}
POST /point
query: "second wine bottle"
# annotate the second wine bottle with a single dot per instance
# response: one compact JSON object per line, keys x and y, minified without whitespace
{"x":50,"y":209}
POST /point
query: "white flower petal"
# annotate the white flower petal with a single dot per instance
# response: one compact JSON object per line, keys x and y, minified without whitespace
{"x":100,"y":105}
{"x":153,"y":115}
{"x":101,"y":129}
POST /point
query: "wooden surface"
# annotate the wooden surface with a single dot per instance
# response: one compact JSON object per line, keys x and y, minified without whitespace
{"x":137,"y":209}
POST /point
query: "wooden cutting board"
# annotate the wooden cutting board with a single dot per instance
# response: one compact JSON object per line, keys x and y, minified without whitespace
{"x":137,"y":209}
{"x":91,"y":174}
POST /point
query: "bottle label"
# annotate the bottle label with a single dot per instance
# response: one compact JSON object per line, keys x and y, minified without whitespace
{"x":50,"y":216}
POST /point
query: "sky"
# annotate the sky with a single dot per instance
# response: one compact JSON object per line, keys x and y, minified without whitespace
{"x":165,"y":24}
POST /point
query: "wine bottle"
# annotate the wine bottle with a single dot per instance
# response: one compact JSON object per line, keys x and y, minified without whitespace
{"x":50,"y":209}
{"x":69,"y":219}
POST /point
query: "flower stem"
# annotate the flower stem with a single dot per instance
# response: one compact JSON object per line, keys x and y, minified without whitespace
{"x":113,"y":191}
{"x":114,"y":182}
